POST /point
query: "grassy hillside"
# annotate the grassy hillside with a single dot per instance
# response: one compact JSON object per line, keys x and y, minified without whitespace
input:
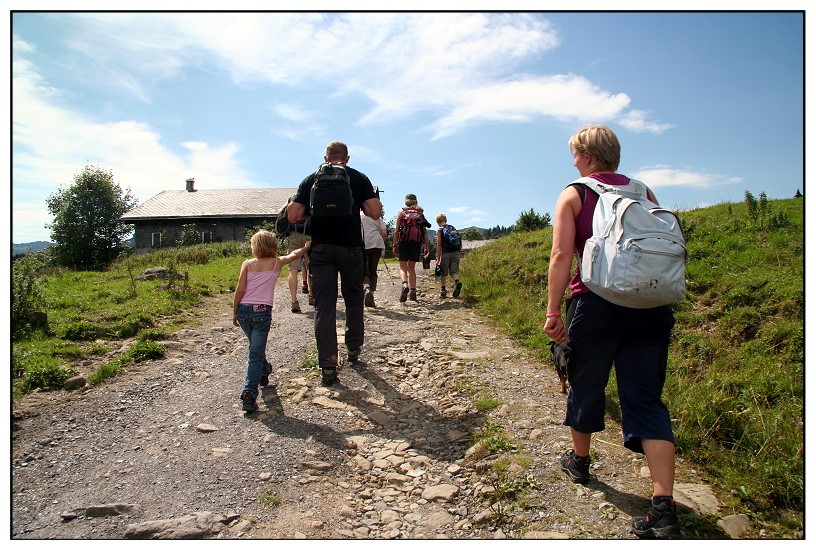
{"x":736,"y":368}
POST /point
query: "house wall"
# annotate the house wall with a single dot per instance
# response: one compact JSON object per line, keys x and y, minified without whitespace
{"x":223,"y":230}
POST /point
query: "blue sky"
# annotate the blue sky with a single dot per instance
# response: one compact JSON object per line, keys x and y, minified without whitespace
{"x":469,"y":111}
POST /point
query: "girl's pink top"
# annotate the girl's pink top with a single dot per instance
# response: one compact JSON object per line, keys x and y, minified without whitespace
{"x":260,"y":287}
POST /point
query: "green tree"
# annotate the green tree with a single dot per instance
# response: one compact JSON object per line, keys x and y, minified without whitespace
{"x":530,"y":220}
{"x":87,"y":229}
{"x":189,"y":235}
{"x":471,"y":233}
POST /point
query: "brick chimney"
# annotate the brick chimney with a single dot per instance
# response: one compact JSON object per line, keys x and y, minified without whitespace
{"x":190,"y":183}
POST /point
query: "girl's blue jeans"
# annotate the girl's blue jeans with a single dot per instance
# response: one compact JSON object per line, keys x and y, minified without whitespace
{"x":255,"y":321}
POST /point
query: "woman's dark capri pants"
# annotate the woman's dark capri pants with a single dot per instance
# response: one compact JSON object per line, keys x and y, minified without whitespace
{"x":637,"y":341}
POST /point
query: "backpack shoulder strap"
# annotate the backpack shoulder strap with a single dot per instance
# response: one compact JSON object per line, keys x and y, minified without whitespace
{"x":593,"y":184}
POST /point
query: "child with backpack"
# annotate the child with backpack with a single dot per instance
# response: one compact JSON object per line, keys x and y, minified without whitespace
{"x":252,"y":307}
{"x":410,"y":243}
{"x":448,"y":253}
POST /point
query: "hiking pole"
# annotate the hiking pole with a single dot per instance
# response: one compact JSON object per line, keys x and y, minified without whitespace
{"x":388,"y":271}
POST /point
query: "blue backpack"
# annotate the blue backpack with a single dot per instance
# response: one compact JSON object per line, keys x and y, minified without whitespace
{"x":451,"y":241}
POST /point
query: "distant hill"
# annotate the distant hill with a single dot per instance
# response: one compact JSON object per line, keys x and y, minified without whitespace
{"x":20,"y":249}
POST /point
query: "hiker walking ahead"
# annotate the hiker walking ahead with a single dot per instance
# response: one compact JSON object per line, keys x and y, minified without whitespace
{"x":252,"y":307}
{"x":374,"y":235}
{"x":334,"y":196}
{"x":602,"y":333}
{"x":298,"y":236}
{"x":448,"y":254}
{"x":410,"y":242}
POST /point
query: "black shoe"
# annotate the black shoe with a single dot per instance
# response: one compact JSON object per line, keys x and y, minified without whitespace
{"x":457,"y":289}
{"x":311,"y":300}
{"x":353,"y":355}
{"x":305,"y":289}
{"x":369,"y":298}
{"x":264,"y":380}
{"x":412,"y":295}
{"x":443,"y":294}
{"x":328,"y":376}
{"x":660,"y":523}
{"x":249,"y":403}
{"x":404,"y":294}
{"x":576,"y":468}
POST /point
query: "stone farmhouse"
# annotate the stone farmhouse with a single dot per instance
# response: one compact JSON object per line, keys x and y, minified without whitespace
{"x":219,"y":215}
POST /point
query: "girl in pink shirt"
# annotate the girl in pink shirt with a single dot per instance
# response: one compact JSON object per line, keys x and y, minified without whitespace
{"x":252,"y":307}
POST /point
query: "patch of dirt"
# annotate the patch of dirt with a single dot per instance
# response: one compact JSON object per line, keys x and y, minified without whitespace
{"x":385,"y":454}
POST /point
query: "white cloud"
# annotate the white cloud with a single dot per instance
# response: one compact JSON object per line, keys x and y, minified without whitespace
{"x":663,"y":175}
{"x":51,"y":144}
{"x":636,"y":121}
{"x":458,"y":67}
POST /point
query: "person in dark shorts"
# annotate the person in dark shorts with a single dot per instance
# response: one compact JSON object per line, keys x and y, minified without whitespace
{"x":410,"y":244}
{"x":601,"y":334}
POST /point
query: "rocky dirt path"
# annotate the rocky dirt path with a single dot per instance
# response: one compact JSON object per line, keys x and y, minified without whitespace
{"x":165,"y":451}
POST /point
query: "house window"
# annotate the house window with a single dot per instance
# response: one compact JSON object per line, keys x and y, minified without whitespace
{"x":156,"y":239}
{"x":206,"y":237}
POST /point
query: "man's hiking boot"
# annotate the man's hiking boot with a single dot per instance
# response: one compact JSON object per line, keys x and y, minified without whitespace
{"x":305,"y":289}
{"x":457,"y":289}
{"x":353,"y":355}
{"x":661,"y":522}
{"x":369,"y":298}
{"x":443,"y":294}
{"x":264,"y":380}
{"x":328,"y":376}
{"x":249,"y":403}
{"x":577,"y":468}
{"x":412,"y":295}
{"x":404,"y":294}
{"x":295,"y":307}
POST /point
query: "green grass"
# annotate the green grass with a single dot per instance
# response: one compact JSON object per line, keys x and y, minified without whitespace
{"x":735,"y":387}
{"x":87,"y":308}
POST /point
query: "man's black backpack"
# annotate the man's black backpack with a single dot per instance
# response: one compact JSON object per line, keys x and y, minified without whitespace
{"x":282,"y":224}
{"x":331,"y":192}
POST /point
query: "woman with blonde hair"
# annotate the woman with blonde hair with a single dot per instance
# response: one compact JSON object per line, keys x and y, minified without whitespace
{"x":601,"y":334}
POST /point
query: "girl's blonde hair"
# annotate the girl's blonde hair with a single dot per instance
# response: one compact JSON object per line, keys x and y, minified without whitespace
{"x":601,"y":142}
{"x":441,"y":218}
{"x":264,"y":244}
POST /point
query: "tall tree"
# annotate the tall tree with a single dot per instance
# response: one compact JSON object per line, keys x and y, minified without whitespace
{"x":530,"y":220}
{"x":87,"y":229}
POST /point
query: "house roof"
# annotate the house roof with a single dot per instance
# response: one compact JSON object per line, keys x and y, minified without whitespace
{"x":227,"y":202}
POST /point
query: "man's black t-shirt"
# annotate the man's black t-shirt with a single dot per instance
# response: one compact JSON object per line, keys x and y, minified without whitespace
{"x":338,"y":231}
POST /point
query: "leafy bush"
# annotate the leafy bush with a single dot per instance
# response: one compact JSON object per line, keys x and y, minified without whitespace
{"x":27,"y":295}
{"x":142,"y":350}
{"x":35,"y":370}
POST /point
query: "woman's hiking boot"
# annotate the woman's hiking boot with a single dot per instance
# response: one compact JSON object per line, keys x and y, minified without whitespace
{"x":412,"y":294}
{"x":404,"y":294}
{"x":295,"y":307}
{"x":661,"y":522}
{"x":577,"y":468}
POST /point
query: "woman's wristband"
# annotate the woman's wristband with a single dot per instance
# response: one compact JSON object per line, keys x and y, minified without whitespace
{"x":554,"y":314}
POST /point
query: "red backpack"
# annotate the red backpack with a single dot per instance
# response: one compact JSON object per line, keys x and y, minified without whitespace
{"x":413,"y":225}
